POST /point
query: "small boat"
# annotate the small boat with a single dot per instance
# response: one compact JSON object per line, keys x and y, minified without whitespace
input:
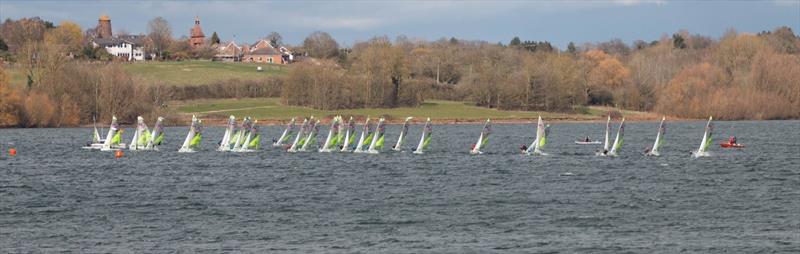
{"x":348,"y":136}
{"x":332,"y":141}
{"x":425,"y":139}
{"x":97,"y":142}
{"x":366,"y":136}
{"x":659,"y":140}
{"x":376,"y":145}
{"x":288,"y":132}
{"x":192,"y":142}
{"x":225,"y":143}
{"x":541,"y":139}
{"x":729,"y":145}
{"x":299,"y":137}
{"x":483,"y":139}
{"x":702,"y":151}
{"x":114,"y":137}
{"x":604,"y":152}
{"x":403,"y":132}
{"x":615,"y":148}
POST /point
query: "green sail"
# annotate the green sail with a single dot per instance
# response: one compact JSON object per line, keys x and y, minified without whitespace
{"x":117,"y":138}
{"x":255,"y":143}
{"x":159,"y":139}
{"x":367,"y":140}
{"x":427,"y":142}
{"x":195,"y":143}
{"x":144,"y":138}
{"x":379,"y":144}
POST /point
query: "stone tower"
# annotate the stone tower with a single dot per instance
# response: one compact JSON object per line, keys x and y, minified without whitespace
{"x":104,"y":27}
{"x":197,"y":37}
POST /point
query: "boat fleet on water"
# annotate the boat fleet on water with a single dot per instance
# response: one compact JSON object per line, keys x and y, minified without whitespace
{"x":341,"y":137}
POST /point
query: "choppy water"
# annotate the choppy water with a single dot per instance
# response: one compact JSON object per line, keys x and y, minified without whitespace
{"x":55,"y":196}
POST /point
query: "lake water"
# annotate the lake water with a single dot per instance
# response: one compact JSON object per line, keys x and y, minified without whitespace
{"x":55,"y":196}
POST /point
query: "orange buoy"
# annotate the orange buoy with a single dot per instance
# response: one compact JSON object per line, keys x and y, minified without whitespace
{"x":12,"y":152}
{"x":118,"y":154}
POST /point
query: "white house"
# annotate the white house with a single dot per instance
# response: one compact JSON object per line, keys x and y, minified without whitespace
{"x":128,"y":47}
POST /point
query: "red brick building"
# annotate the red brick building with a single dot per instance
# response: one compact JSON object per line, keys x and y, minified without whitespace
{"x":197,"y":38}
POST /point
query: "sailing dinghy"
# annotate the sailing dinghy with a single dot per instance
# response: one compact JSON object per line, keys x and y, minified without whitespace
{"x":403,"y":133}
{"x":604,"y":152}
{"x":113,"y":140}
{"x":97,"y":142}
{"x":707,"y":140}
{"x":425,"y":139}
{"x":349,"y":135}
{"x":377,"y":138}
{"x":659,"y":139}
{"x":541,"y":139}
{"x":141,"y":136}
{"x":311,"y":138}
{"x":615,"y":148}
{"x":225,"y":143}
{"x":252,"y":141}
{"x":300,"y":134}
{"x":332,"y":140}
{"x":366,"y":135}
{"x":483,"y":139}
{"x":192,"y":142}
{"x":157,"y":136}
{"x":287,"y":133}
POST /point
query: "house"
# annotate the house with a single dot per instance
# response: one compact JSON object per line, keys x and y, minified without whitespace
{"x":263,"y":52}
{"x":229,"y":52}
{"x":126,"y":47}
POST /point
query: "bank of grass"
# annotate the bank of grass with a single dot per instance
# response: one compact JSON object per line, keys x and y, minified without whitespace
{"x":199,"y":72}
{"x":271,"y":110}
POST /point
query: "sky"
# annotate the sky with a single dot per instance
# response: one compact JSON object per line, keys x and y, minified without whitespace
{"x":558,"y":22}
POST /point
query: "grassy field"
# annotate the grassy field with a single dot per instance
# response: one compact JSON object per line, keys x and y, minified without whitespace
{"x":443,"y":111}
{"x":199,"y":72}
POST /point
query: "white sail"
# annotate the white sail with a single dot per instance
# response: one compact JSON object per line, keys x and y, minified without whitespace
{"x":377,"y":138}
{"x":286,"y":134}
{"x":403,"y":132}
{"x":192,"y":142}
{"x":140,"y":136}
{"x":425,"y":139}
{"x":538,"y":143}
{"x":349,"y":135}
{"x":483,"y":138}
{"x":96,"y":135}
{"x":252,"y":135}
{"x":659,"y":138}
{"x":366,"y":131}
{"x":311,"y":138}
{"x":333,"y":133}
{"x":156,"y":136}
{"x":618,"y":140}
{"x":608,"y":130}
{"x":114,"y":137}
{"x":241,"y":135}
{"x":702,"y":150}
{"x":225,"y":143}
{"x":300,"y":134}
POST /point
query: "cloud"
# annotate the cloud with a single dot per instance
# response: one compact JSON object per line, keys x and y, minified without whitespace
{"x":337,"y":22}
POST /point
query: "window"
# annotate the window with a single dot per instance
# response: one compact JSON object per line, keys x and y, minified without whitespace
{"x":269,"y":60}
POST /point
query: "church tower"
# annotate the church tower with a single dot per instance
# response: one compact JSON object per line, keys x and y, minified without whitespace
{"x":197,"y":37}
{"x":104,"y":27}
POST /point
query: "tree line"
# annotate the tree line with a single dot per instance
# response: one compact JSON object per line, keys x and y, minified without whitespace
{"x":738,"y":76}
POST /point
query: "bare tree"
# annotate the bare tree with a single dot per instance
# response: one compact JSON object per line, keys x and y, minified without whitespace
{"x":321,"y":44}
{"x":160,"y":35}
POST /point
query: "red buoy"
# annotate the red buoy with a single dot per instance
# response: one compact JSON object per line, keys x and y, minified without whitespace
{"x":12,"y":152}
{"x":118,"y":154}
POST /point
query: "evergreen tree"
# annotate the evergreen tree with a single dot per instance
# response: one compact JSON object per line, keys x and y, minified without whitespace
{"x":571,"y":48}
{"x":515,"y":42}
{"x":214,"y":38}
{"x":3,"y":45}
{"x":678,"y":42}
